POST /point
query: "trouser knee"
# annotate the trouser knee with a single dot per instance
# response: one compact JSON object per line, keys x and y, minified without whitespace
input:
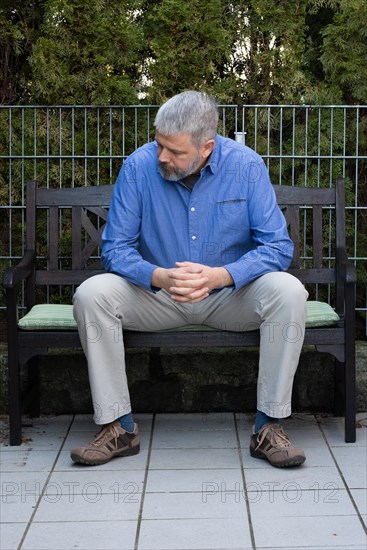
{"x":289,"y":290}
{"x":87,"y":292}
{"x":95,"y":292}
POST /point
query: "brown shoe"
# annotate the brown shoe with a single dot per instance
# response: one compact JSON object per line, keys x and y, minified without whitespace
{"x":273,"y":444}
{"x":112,"y":441}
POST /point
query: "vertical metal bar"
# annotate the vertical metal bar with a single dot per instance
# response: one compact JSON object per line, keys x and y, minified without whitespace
{"x":344,"y":146}
{"x":305,"y":183}
{"x":244,"y":125}
{"x":293,"y":140}
{"x":344,"y":139}
{"x":306,"y":145}
{"x":148,"y":124}
{"x":35,"y":143}
{"x":22,"y":194}
{"x":331,"y":146}
{"x":59,"y":262}
{"x":318,"y":146}
{"x":136,"y":127}
{"x":72,"y":147}
{"x":255,"y":129}
{"x":23,"y":178}
{"x":60,"y":147}
{"x":47,"y":148}
{"x":304,"y":249}
{"x":331,"y":184}
{"x":111,"y":147}
{"x":98,"y":149}
{"x":85,"y":147}
{"x":356,"y":185}
{"x":243,"y":122}
{"x":268,"y":140}
{"x":280,"y":145}
{"x":35,"y":115}
{"x":47,"y":180}
{"x":10,"y":183}
{"x":123,"y":131}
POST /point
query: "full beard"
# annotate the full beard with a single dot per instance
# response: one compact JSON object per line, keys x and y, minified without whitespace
{"x":171,"y":173}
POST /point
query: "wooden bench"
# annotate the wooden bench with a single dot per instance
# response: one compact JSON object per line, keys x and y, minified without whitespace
{"x":63,"y":231}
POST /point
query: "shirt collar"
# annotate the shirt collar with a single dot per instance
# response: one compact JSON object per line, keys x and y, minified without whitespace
{"x":214,"y":157}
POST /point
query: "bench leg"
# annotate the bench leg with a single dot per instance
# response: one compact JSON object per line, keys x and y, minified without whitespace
{"x":34,"y":387}
{"x":345,"y":396}
{"x":350,"y":366}
{"x":155,"y":365}
{"x":350,"y":399}
{"x":339,"y":384}
{"x":15,"y":413}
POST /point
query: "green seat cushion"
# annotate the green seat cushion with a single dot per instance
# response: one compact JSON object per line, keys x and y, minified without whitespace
{"x":49,"y":317}
{"x":320,"y":314}
{"x":60,"y":316}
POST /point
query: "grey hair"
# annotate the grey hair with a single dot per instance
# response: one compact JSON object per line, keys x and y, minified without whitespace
{"x":190,"y":112}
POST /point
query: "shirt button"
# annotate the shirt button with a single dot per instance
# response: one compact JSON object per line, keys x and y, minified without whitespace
{"x":192,"y":209}
{"x":193,"y":237}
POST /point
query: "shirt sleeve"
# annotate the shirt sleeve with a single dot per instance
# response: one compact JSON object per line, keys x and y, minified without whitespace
{"x":120,"y":237}
{"x":273,"y":249}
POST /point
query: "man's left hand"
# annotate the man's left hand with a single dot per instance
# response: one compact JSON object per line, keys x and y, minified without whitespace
{"x":217,"y":277}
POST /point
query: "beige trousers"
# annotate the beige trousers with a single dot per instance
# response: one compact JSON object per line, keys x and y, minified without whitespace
{"x":105,"y":305}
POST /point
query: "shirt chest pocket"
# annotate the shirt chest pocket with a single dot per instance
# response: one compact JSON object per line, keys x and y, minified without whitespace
{"x":232,"y":214}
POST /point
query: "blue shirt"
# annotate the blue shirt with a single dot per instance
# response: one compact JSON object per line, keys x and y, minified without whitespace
{"x":230,"y":219}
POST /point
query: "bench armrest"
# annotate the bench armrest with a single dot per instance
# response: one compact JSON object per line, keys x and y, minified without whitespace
{"x":346,"y":288}
{"x":346,"y":267}
{"x":349,"y":272}
{"x":17,"y":273}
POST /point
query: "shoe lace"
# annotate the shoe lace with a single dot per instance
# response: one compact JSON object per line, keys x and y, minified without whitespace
{"x":106,"y":434}
{"x":276,"y":436}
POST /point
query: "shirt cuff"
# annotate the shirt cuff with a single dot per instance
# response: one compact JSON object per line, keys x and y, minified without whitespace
{"x":144,"y":272}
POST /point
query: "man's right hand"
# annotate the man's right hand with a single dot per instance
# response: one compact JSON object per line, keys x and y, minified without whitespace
{"x":184,"y":285}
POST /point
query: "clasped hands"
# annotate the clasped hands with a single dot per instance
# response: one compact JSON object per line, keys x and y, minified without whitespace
{"x":190,"y":282}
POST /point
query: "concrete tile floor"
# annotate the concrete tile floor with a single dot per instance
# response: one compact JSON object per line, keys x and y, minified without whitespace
{"x":193,"y":486}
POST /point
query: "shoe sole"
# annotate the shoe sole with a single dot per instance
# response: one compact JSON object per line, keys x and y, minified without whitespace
{"x":295,"y":461}
{"x":128,"y":452}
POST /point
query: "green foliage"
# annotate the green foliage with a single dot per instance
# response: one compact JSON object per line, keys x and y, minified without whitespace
{"x":120,"y":51}
{"x":19,"y":27}
{"x":88,"y":53}
{"x":267,"y":55}
{"x":189,"y":46}
{"x":344,"y":54}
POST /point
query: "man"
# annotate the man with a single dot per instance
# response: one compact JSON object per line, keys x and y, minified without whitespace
{"x":194,"y":236}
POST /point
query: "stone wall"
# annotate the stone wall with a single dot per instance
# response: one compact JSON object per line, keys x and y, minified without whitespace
{"x":219,"y":379}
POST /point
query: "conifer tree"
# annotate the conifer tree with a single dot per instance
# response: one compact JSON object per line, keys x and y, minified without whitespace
{"x":88,"y":53}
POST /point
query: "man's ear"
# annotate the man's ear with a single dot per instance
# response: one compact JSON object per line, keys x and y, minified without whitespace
{"x":208,"y":147}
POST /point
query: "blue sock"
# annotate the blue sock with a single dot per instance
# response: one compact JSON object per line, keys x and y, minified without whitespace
{"x":262,"y":419}
{"x":127,"y":422}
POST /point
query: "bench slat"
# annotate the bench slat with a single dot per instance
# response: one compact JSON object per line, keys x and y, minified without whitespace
{"x":53,"y":236}
{"x":99,"y":195}
{"x":288,"y":195}
{"x":317,"y":236}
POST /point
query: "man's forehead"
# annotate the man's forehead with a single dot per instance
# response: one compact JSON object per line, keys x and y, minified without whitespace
{"x":174,"y":141}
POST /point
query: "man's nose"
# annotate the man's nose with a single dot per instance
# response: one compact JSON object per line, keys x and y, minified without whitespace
{"x":163,"y":155}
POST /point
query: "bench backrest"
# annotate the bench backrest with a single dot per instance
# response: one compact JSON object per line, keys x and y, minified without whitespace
{"x":73,"y":221}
